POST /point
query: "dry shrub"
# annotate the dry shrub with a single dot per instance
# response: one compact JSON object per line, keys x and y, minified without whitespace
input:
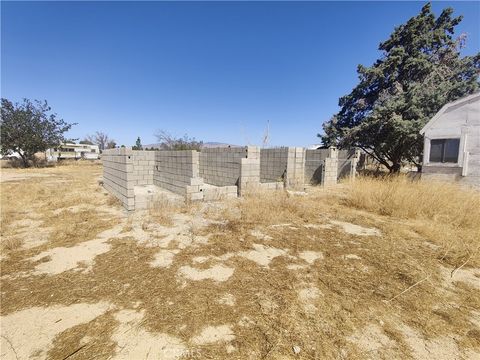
{"x":16,"y":163}
{"x":162,"y":209}
{"x":12,"y":163}
{"x":113,"y":201}
{"x":401,"y":197}
{"x":5,"y":164}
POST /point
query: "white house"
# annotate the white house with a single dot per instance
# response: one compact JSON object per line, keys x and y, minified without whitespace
{"x":73,"y":151}
{"x":451,"y":148}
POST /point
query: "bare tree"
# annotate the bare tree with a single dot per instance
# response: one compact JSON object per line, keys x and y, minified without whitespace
{"x":101,"y":139}
{"x":111,"y":144}
{"x":170,"y":142}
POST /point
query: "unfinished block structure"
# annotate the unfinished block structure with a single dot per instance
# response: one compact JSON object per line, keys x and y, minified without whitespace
{"x":282,"y":166}
{"x":125,"y":169}
{"x":178,"y":171}
{"x":216,"y":173}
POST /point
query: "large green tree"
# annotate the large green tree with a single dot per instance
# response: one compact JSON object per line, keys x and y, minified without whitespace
{"x":30,"y":127}
{"x":419,"y":71}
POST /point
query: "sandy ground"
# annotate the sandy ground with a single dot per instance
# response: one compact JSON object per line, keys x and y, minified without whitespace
{"x":189,"y":261}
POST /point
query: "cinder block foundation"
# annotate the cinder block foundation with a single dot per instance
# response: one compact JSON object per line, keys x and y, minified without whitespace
{"x":217,"y":173}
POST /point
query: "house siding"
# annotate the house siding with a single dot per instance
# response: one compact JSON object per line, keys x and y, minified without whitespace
{"x":460,"y":119}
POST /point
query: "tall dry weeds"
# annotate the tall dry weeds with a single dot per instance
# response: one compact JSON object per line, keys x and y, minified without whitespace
{"x":445,"y":213}
{"x":404,"y":198}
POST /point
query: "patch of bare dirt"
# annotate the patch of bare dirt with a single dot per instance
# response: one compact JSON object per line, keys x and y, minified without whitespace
{"x":354,"y":229}
{"x":214,"y":334}
{"x":29,"y":333}
{"x":134,"y":342}
{"x":216,"y":273}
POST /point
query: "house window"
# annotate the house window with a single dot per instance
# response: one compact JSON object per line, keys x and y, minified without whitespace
{"x":444,"y":150}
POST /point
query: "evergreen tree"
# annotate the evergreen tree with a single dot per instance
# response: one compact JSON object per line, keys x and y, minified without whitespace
{"x":419,"y":72}
{"x":138,"y":144}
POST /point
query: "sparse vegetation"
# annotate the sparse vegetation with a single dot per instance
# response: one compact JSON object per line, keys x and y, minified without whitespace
{"x":301,"y":274}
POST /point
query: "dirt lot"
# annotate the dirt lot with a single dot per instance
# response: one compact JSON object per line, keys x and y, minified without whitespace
{"x":377,"y":270}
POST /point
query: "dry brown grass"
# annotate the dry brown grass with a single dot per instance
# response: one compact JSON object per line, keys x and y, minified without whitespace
{"x":163,"y":209}
{"x":354,"y":293}
{"x":54,"y":200}
{"x":445,"y":213}
{"x":12,"y":243}
{"x":401,"y":197}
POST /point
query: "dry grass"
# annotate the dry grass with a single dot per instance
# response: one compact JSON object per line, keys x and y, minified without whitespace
{"x":65,"y":200}
{"x":268,"y":317}
{"x":401,"y":197}
{"x":12,"y":243}
{"x":163,"y":209}
{"x":445,"y":213}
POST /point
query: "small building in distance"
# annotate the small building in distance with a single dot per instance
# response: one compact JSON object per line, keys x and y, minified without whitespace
{"x":73,"y":151}
{"x":452,"y":142}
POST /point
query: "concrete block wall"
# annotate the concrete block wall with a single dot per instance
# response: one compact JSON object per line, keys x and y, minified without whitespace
{"x":330,"y":168}
{"x":221,"y":166}
{"x":273,"y":164}
{"x":347,"y":163}
{"x":314,"y":163}
{"x":178,"y":171}
{"x":118,"y":173}
{"x":143,"y":165}
{"x":249,"y":170}
{"x":295,"y":176}
{"x":228,"y":171}
{"x":286,"y":164}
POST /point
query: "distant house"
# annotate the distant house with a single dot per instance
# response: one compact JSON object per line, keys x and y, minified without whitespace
{"x":73,"y":151}
{"x":452,"y":142}
{"x":12,"y":155}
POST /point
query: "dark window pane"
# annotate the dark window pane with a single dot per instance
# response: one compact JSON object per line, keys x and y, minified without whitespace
{"x":451,"y":150}
{"x":436,"y":150}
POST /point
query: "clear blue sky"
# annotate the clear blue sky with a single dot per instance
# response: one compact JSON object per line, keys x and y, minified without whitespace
{"x":215,"y":70}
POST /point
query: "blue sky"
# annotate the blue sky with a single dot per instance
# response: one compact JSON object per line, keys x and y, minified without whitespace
{"x":215,"y":70}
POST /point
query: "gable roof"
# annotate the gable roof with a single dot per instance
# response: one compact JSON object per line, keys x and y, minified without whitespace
{"x":446,"y":107}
